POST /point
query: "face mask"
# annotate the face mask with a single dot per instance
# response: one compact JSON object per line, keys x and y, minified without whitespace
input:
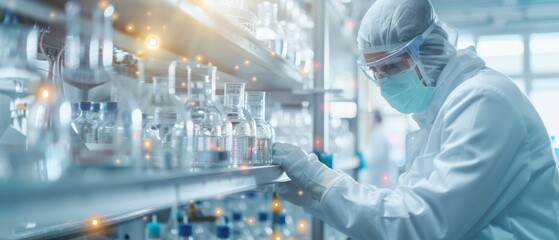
{"x":405,"y":92}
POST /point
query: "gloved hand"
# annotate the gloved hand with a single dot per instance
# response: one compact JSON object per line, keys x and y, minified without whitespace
{"x":304,"y":170}
{"x":295,"y":194}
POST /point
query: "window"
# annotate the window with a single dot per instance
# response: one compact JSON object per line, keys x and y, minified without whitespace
{"x":465,"y":40}
{"x":545,"y":93}
{"x":544,"y":53}
{"x":502,"y":52}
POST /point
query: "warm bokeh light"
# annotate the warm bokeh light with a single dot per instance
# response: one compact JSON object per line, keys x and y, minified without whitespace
{"x":277,"y":236}
{"x":300,"y":193}
{"x":103,"y":4}
{"x":317,"y":142}
{"x":184,"y":59}
{"x":250,"y":221}
{"x":210,"y":64}
{"x":148,"y":13}
{"x":148,"y":27}
{"x":95,"y":222}
{"x":237,"y":67}
{"x":247,"y":62}
{"x":254,"y":79}
{"x":147,"y":156}
{"x":45,"y":92}
{"x":218,"y":212}
{"x":276,"y":205}
{"x":129,"y":27}
{"x":164,"y":27}
{"x":244,"y":168}
{"x":199,"y":58}
{"x":153,"y":42}
{"x":302,"y":226}
{"x":148,"y":144}
{"x":117,"y":161}
{"x":52,"y":15}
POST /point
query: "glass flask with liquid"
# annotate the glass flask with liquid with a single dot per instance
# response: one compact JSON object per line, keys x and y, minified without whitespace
{"x":212,"y":130}
{"x":265,"y":136}
{"x":244,"y":131}
{"x":267,"y":28}
{"x":160,"y":135}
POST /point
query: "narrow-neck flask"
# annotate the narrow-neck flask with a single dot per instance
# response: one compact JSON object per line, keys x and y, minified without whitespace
{"x":265,"y":136}
{"x":244,"y":131}
{"x":211,"y":128}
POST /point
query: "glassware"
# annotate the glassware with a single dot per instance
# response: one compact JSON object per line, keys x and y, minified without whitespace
{"x":244,"y":131}
{"x":81,"y":125}
{"x":267,"y":28}
{"x":239,"y":230}
{"x":48,"y":133}
{"x":160,"y":135}
{"x":262,"y":230}
{"x":18,"y":79}
{"x":94,"y":119}
{"x":265,"y":136}
{"x":212,"y":131}
{"x":88,"y":55}
{"x":107,"y":129}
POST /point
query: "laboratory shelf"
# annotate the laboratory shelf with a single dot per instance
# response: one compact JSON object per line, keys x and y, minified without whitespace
{"x":191,"y":29}
{"x":69,"y":207}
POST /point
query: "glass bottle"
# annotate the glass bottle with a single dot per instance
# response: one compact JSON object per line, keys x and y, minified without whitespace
{"x":244,"y":134}
{"x":239,"y":230}
{"x":282,"y":229}
{"x":265,"y":136}
{"x":81,"y":124}
{"x":153,"y":229}
{"x":211,"y":129}
{"x":262,"y":230}
{"x":94,"y":119}
{"x":107,"y":130}
{"x":158,"y":134}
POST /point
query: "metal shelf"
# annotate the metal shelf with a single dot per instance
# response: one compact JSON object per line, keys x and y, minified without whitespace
{"x":69,"y":206}
{"x":186,"y":29}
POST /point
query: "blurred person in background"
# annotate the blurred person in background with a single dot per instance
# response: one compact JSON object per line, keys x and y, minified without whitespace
{"x":379,"y":170}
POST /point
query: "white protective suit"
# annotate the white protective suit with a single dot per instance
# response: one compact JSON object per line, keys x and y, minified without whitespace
{"x":480,"y":167}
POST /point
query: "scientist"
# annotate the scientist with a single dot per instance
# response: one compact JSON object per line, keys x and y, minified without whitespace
{"x":480,"y":166}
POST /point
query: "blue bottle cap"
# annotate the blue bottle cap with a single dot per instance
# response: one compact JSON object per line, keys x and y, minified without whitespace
{"x":251,"y":194}
{"x":85,"y":106}
{"x":95,"y":107}
{"x":280,"y":219}
{"x":222,"y":231}
{"x":262,"y":216}
{"x":237,"y":216}
{"x":154,"y":230}
{"x":185,"y":230}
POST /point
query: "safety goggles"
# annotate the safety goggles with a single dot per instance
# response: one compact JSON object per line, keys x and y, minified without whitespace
{"x":380,"y":66}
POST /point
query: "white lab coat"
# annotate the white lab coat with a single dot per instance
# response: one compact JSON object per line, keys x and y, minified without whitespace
{"x":480,"y":167}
